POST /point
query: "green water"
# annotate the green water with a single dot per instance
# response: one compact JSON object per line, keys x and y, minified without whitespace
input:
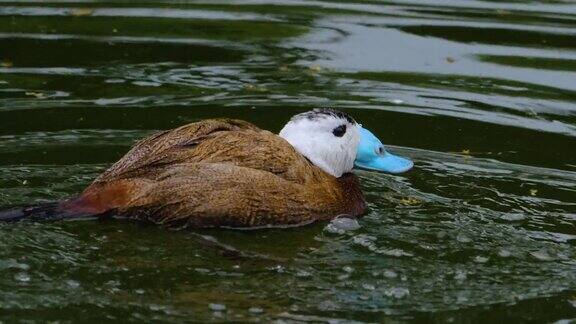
{"x":480,"y":94}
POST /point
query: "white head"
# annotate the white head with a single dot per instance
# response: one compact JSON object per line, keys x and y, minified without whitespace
{"x":328,"y":138}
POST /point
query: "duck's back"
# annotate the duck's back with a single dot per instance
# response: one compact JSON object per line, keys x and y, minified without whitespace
{"x":220,"y":173}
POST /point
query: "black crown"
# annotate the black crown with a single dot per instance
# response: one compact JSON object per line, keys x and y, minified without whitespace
{"x":323,"y":112}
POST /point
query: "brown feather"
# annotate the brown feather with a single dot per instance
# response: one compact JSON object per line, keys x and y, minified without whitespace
{"x":220,"y":172}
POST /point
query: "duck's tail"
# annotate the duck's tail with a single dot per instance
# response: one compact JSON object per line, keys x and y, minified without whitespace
{"x":43,"y":212}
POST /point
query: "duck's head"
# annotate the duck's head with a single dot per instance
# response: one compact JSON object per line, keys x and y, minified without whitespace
{"x":333,"y":141}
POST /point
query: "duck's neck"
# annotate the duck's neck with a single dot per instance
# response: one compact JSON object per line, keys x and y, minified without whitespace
{"x":353,"y":194}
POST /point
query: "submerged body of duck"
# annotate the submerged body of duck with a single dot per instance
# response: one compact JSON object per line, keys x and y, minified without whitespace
{"x":230,"y":173}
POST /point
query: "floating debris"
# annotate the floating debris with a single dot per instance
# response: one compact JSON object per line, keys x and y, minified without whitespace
{"x":81,"y":12}
{"x":410,"y":201}
{"x":6,"y":63}
{"x":38,"y":95}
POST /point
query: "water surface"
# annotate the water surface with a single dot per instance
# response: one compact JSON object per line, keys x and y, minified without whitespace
{"x":480,"y":94}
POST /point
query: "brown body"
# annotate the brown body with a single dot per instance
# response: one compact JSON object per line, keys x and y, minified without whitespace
{"x":219,"y":173}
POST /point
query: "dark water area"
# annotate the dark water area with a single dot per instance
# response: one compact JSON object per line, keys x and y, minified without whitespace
{"x":480,"y":94}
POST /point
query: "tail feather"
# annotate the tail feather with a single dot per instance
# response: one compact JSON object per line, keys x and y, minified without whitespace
{"x":44,"y":212}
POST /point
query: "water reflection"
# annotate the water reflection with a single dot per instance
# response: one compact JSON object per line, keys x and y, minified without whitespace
{"x":480,"y":94}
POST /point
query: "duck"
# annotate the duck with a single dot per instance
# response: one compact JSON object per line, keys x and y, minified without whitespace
{"x":228,"y":173}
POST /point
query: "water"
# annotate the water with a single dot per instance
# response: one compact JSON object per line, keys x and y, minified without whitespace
{"x":480,"y":94}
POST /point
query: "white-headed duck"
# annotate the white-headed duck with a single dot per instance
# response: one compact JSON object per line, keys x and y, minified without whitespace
{"x":230,"y":173}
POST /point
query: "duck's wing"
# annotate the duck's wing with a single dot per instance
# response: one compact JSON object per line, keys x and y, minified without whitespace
{"x":212,"y":141}
{"x":222,"y":194}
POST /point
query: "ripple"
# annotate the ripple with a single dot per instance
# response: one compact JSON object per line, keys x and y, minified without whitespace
{"x":483,"y":223}
{"x":134,"y":12}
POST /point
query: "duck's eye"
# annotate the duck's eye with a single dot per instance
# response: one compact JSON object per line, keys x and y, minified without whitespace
{"x":339,"y":131}
{"x":380,"y":150}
